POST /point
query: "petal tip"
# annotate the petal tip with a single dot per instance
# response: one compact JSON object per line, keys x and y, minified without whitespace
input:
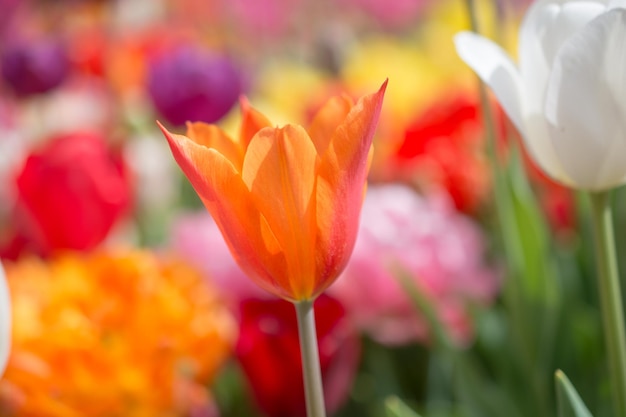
{"x":244,"y":104}
{"x":163,"y":129}
{"x":166,"y":133}
{"x":383,"y":87}
{"x":463,"y":43}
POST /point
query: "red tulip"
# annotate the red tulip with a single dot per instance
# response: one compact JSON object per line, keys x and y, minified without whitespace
{"x":443,"y":147}
{"x":269,"y":353}
{"x":70,"y":193}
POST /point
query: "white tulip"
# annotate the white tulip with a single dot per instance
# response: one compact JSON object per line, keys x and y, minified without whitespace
{"x":5,"y":321}
{"x":567,"y":96}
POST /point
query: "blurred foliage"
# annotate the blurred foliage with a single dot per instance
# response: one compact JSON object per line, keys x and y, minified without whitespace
{"x":547,"y":317}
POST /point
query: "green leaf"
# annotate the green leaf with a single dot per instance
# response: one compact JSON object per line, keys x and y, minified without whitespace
{"x":532,"y":292}
{"x":569,"y":402}
{"x":394,"y":407}
{"x":425,"y":307}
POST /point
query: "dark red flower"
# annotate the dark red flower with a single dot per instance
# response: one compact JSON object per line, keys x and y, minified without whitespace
{"x":70,"y":193}
{"x":268,"y":350}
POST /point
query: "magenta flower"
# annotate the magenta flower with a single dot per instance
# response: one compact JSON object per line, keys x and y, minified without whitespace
{"x":193,"y":84}
{"x":441,"y":249}
{"x":34,"y":66}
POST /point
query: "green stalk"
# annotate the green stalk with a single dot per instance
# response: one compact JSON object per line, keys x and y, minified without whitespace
{"x":313,"y":391}
{"x":523,"y":331}
{"x":610,"y":298}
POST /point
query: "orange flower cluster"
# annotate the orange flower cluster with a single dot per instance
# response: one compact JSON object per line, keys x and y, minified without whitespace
{"x":113,"y":334}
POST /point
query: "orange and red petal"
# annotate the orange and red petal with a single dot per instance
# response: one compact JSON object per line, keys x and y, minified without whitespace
{"x":212,"y":136}
{"x":252,"y":121}
{"x":280,"y":172}
{"x":342,"y":178}
{"x":327,"y":119}
{"x":227,"y":198}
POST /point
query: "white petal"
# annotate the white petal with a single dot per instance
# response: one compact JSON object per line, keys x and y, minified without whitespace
{"x":5,"y":321}
{"x":571,"y":18}
{"x":540,"y":147}
{"x":534,"y":69}
{"x":545,"y":27}
{"x":585,"y":103}
{"x":617,"y":4}
{"x":495,"y":68}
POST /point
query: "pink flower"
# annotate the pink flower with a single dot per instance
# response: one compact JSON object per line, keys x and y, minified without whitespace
{"x":390,"y":13}
{"x":441,"y":249}
{"x":196,"y":237}
{"x":265,"y":17}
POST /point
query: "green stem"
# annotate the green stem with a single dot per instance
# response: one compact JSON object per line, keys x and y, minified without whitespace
{"x":314,"y":394}
{"x":514,"y":294}
{"x":471,"y":13}
{"x":610,"y":298}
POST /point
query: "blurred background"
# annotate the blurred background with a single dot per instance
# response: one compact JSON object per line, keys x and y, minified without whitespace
{"x":471,"y":282}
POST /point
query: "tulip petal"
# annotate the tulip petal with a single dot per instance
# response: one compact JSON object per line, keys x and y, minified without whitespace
{"x":5,"y":321}
{"x":325,"y":122}
{"x":341,"y":181}
{"x":585,"y":104}
{"x":496,"y":69}
{"x":545,"y":27}
{"x":280,"y":172}
{"x":617,"y":4}
{"x":251,"y":122}
{"x":228,"y":199}
{"x":212,"y":136}
{"x":534,"y":68}
{"x":562,"y":22}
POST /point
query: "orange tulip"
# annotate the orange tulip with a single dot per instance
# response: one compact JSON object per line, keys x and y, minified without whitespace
{"x":287,"y":200}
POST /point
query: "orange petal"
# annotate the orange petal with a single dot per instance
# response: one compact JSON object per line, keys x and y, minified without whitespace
{"x":280,"y":172}
{"x":212,"y":136}
{"x":251,"y":122}
{"x":327,"y":119}
{"x":227,"y":198}
{"x":342,"y":177}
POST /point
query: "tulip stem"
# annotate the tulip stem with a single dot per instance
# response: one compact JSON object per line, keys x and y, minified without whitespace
{"x":311,"y":372}
{"x":610,"y":298}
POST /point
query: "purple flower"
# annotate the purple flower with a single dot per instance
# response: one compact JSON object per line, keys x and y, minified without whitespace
{"x":34,"y":66}
{"x":426,"y":238}
{"x":193,"y":84}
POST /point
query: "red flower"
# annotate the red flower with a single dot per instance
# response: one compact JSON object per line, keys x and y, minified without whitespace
{"x":70,"y":194}
{"x":442,"y":147}
{"x":269,"y":353}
